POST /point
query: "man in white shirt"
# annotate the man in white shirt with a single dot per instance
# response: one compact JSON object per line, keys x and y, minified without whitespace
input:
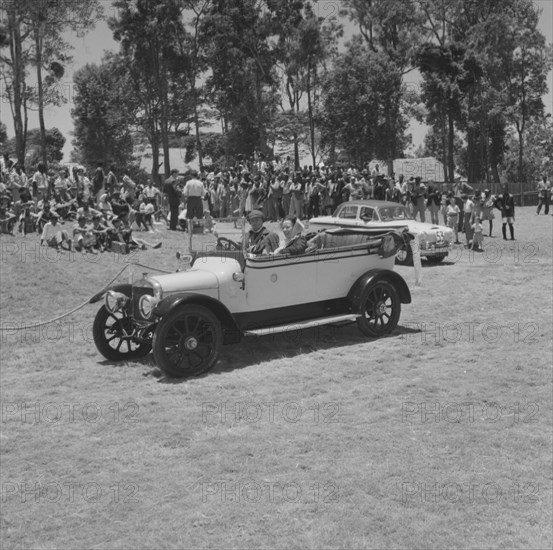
{"x":194,"y":191}
{"x":53,"y":235}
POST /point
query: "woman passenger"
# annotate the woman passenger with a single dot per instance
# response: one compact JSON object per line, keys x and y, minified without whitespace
{"x":294,"y":242}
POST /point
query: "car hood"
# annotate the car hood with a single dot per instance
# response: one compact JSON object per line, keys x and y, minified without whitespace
{"x":414,"y":226}
{"x":186,"y":281}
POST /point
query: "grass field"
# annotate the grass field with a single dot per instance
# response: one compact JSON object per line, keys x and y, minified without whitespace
{"x":438,"y":436}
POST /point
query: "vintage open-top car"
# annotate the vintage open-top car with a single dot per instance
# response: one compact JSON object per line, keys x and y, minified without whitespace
{"x":432,"y":240}
{"x":185,"y":317}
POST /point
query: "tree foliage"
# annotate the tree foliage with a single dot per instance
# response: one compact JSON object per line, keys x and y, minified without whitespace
{"x":150,"y":33}
{"x":361,"y":111}
{"x":33,"y":38}
{"x":103,"y":114}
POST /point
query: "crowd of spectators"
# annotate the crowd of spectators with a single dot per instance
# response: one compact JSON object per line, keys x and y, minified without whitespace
{"x":73,"y":211}
{"x":106,"y":206}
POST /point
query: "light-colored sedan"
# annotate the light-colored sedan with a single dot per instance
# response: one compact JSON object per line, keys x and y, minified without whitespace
{"x":433,"y":240}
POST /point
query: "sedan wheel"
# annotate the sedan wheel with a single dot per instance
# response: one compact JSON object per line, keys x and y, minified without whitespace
{"x":187,"y":341}
{"x":380,"y":308}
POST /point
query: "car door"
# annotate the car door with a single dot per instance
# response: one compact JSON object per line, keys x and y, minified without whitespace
{"x":347,"y":215}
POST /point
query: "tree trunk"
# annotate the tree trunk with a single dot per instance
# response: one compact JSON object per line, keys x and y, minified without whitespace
{"x":19,"y":106}
{"x":450,"y":148}
{"x":444,"y":146}
{"x":197,"y":125}
{"x":38,"y":46}
{"x":521,"y":175}
{"x":311,"y":118}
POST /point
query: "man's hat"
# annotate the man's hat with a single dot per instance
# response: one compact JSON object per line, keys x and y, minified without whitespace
{"x":255,"y":214}
{"x":54,"y":215}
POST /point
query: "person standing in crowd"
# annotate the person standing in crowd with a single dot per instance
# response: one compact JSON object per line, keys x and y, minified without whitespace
{"x":40,"y":182}
{"x":468,"y":209}
{"x":506,"y":203}
{"x":172,"y":196}
{"x":274,"y":199}
{"x":296,"y":201}
{"x":418,"y":198}
{"x":487,"y":209}
{"x":453,"y":213}
{"x":111,"y":180}
{"x":194,"y":191}
{"x":433,"y":201}
{"x":543,"y":196}
{"x":98,"y":182}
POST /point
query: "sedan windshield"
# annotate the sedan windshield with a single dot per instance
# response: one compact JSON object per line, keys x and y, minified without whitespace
{"x":391,"y":213}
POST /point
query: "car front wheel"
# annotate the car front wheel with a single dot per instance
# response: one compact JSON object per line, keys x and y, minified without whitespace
{"x":187,"y":341}
{"x":114,"y":336}
{"x":380,"y":309}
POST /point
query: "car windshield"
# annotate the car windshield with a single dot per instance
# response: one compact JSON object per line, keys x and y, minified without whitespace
{"x":391,"y":213}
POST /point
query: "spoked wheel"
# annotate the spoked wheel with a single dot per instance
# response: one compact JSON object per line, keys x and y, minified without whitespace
{"x":404,"y":256}
{"x":227,"y":244}
{"x":187,"y":341}
{"x":381,"y":308}
{"x":114,"y":336}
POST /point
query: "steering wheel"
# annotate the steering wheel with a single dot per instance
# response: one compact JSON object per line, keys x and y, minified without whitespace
{"x":226,"y":244}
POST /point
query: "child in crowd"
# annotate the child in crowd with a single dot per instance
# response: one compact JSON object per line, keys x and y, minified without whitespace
{"x":478,"y":237}
{"x":453,"y":212}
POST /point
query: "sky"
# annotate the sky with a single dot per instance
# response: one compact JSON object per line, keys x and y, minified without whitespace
{"x":91,"y":47}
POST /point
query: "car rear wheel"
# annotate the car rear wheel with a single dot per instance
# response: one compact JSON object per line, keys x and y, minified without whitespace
{"x":404,"y":255}
{"x":187,"y":341}
{"x":114,"y":336}
{"x":380,"y":309}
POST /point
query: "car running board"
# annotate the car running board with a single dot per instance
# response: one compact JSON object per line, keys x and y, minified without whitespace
{"x":302,"y":324}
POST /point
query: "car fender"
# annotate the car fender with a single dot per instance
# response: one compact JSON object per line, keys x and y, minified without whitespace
{"x":374,"y":275}
{"x":232,"y":333}
{"x":123,"y":288}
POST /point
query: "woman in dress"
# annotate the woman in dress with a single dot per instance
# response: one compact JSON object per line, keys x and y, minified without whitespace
{"x":487,"y":208}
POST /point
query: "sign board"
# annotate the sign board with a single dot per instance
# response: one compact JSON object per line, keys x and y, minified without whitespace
{"x":427,"y":168}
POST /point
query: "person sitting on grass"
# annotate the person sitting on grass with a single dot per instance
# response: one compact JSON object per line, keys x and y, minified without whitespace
{"x":54,"y":236}
{"x":119,"y":232}
{"x":100,"y":232}
{"x":7,"y":216}
{"x":44,"y":215}
{"x":84,"y":239}
{"x":28,"y":218}
{"x":88,"y":212}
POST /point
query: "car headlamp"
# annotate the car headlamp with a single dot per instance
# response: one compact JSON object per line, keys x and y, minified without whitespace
{"x":115,"y":301}
{"x":146,"y":305}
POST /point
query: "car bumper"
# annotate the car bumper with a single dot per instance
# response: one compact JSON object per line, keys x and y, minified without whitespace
{"x":434,"y":250}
